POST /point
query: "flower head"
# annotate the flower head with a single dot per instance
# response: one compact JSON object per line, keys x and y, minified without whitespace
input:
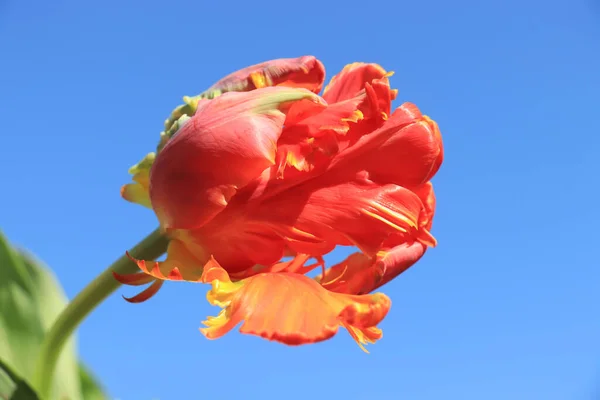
{"x":259,"y":177}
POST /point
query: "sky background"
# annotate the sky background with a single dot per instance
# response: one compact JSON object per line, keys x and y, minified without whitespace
{"x":506,"y":307}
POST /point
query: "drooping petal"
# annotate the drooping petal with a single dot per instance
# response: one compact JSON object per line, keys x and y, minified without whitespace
{"x":289,"y":308}
{"x":303,"y":72}
{"x":351,"y":80}
{"x":225,"y":145}
{"x":406,"y":151}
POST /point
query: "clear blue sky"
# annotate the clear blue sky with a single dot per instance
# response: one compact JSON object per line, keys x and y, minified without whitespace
{"x":507,"y":307}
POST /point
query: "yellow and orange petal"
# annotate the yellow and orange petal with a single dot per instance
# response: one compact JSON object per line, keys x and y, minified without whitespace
{"x":289,"y":308}
{"x":138,"y":191}
{"x":180,"y":265}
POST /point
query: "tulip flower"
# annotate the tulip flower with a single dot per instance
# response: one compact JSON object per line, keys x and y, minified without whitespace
{"x":259,"y":177}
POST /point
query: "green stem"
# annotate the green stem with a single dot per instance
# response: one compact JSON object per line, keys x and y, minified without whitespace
{"x":150,"y":248}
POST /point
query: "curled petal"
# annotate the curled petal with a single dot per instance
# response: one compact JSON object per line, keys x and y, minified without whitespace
{"x":137,"y":279}
{"x":396,"y":260}
{"x":180,"y":265}
{"x":224,"y":146}
{"x":146,"y":293}
{"x":289,"y":308}
{"x":302,"y":72}
{"x":360,"y":274}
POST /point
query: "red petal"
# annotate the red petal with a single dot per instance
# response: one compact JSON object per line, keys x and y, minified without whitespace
{"x":302,"y":72}
{"x":136,"y":279}
{"x":360,"y":274}
{"x":307,"y":136}
{"x":224,"y":146}
{"x":406,"y":151}
{"x":351,"y":80}
{"x":146,"y":293}
{"x":427,"y":196}
{"x":359,"y":213}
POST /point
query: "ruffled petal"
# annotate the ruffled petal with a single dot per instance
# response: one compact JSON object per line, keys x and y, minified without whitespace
{"x":351,"y":80}
{"x":371,"y":81}
{"x":309,"y":136}
{"x":406,"y":151}
{"x":224,"y":146}
{"x":289,"y":308}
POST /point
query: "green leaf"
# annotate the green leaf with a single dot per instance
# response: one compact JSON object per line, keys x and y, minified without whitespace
{"x":30,"y":301}
{"x":12,"y":387}
{"x":90,"y":388}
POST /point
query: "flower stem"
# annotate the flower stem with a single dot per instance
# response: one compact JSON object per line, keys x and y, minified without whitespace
{"x":150,"y":248}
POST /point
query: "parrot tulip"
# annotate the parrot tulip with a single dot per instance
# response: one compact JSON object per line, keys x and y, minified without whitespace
{"x":259,"y":177}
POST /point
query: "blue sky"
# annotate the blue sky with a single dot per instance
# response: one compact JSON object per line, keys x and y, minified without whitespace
{"x":506,"y":307}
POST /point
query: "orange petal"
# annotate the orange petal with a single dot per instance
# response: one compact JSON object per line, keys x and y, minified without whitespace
{"x":224,"y":146}
{"x":181,"y":264}
{"x":289,"y":308}
{"x":351,"y":80}
{"x":302,"y":72}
